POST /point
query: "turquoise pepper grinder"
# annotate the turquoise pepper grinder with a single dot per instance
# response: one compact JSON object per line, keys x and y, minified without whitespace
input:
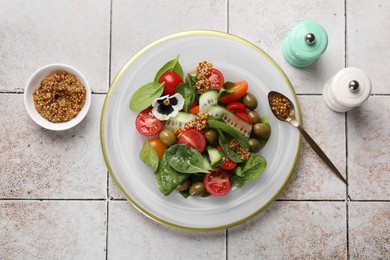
{"x":306,"y":42}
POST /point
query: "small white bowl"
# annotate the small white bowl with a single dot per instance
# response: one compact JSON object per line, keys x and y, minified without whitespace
{"x":34,"y":82}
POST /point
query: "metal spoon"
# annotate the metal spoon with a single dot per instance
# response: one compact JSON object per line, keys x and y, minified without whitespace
{"x":284,"y":110}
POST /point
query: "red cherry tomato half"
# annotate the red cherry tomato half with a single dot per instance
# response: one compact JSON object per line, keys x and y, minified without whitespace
{"x":216,"y":79}
{"x":147,"y":124}
{"x":227,"y":164}
{"x":194,"y":110}
{"x":172,"y":80}
{"x":245,"y":117}
{"x":236,"y":107}
{"x":193,"y":138}
{"x":217,"y":183}
{"x":239,"y":89}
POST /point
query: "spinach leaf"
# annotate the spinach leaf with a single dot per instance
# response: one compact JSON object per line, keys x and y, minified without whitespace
{"x":224,"y":143}
{"x":264,"y":120}
{"x":167,"y":178}
{"x":188,"y":94}
{"x":149,"y":156}
{"x":220,"y":126}
{"x":185,"y":159}
{"x":172,"y":65}
{"x":249,"y":170}
{"x":145,"y":95}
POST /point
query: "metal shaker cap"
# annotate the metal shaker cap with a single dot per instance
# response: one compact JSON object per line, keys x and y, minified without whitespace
{"x":351,"y":87}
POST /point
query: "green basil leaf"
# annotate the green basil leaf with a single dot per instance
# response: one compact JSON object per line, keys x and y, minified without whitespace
{"x":188,"y":94}
{"x":172,"y":65}
{"x":223,"y":91}
{"x":167,"y":178}
{"x":185,"y":159}
{"x":192,"y":80}
{"x":145,"y":95}
{"x":228,"y":84}
{"x":249,"y":170}
{"x":224,"y":143}
{"x":149,"y":156}
{"x":192,"y":83}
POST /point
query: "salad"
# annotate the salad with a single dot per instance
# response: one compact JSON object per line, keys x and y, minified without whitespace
{"x":204,"y":133}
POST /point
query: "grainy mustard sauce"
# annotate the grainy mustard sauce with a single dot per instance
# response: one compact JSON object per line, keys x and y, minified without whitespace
{"x":60,"y":97}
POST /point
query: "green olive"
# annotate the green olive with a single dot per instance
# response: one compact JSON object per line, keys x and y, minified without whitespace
{"x":211,"y":137}
{"x":254,"y":145}
{"x":197,"y":189}
{"x":167,"y":137}
{"x":185,"y":185}
{"x":255,"y":116}
{"x":192,"y":73}
{"x":249,"y":101}
{"x":261,"y":130}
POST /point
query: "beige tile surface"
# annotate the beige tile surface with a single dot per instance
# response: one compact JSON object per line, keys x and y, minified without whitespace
{"x":369,"y":230}
{"x":132,"y":234}
{"x":52,"y":229}
{"x":54,"y":187}
{"x":38,"y":163}
{"x":292,"y":230}
{"x":113,"y":190}
{"x":41,"y":32}
{"x":367,"y":47}
{"x":369,"y":150}
{"x":313,"y":180}
{"x":267,"y":23}
{"x":133,"y":29}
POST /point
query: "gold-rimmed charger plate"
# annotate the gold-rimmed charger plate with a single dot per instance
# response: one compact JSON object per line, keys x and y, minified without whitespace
{"x":238,"y":59}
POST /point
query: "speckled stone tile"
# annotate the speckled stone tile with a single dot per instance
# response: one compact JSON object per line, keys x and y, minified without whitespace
{"x":292,"y":230}
{"x":114,"y":192}
{"x":39,"y":163}
{"x":133,"y":29}
{"x":312,"y":178}
{"x":369,"y":230}
{"x":267,"y":24}
{"x":132,"y":234}
{"x":41,"y":32}
{"x":369,"y":150}
{"x":52,"y":229}
{"x":368,"y":25}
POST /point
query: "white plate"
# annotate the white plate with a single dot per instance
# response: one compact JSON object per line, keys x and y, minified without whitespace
{"x":121,"y":143}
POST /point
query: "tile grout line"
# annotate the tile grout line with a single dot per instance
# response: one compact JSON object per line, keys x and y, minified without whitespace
{"x":109,"y":82}
{"x":227,"y":16}
{"x":226,"y":244}
{"x":49,"y":199}
{"x":346,"y":132}
{"x":107,"y":219}
{"x":110,"y":46}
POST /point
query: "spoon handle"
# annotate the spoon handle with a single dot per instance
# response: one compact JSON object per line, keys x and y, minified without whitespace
{"x":320,"y":153}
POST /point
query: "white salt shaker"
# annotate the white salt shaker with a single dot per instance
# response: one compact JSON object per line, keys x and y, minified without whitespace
{"x":349,"y":88}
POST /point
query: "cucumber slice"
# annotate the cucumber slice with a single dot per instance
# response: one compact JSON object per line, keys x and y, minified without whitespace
{"x":206,"y":163}
{"x":216,"y":157}
{"x":178,"y":121}
{"x":209,"y":98}
{"x":230,"y":119}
